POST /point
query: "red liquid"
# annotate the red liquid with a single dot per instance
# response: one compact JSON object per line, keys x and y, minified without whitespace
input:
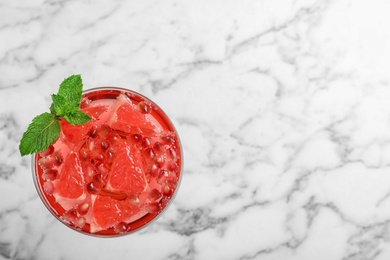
{"x":116,"y":173}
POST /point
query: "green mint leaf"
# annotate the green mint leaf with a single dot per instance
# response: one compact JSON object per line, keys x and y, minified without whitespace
{"x":71,"y":90}
{"x":45,"y":128}
{"x":43,"y":131}
{"x":59,"y":105}
{"x":76,"y":117}
{"x":52,"y":110}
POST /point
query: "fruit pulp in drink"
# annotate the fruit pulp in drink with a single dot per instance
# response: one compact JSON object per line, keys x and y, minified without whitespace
{"x":116,"y":173}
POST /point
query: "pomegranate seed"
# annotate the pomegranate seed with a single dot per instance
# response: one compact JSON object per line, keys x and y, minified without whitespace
{"x":134,"y":199}
{"x":173,"y":167}
{"x":48,"y":187}
{"x":172,"y":179}
{"x":89,"y":169}
{"x":45,"y":163}
{"x":149,"y":153}
{"x":90,"y":144}
{"x":83,"y":208}
{"x":164,"y":201}
{"x":166,"y":189}
{"x":160,"y":160}
{"x":110,"y":155}
{"x":57,"y":158}
{"x":93,"y":131}
{"x":154,"y":170}
{"x":79,"y":222}
{"x":158,"y":147}
{"x":155,"y":195}
{"x":97,"y":155}
{"x":113,"y":138}
{"x":70,"y":215}
{"x":84,"y":153}
{"x":102,"y":168}
{"x":93,"y":188}
{"x":104,"y":145}
{"x":168,"y":138}
{"x":145,"y":107}
{"x":50,"y":174}
{"x":104,"y":130}
{"x":172,"y":153}
{"x":122,"y":227}
{"x":48,"y":151}
{"x":153,"y":207}
{"x":162,"y":176}
{"x":146,"y":142}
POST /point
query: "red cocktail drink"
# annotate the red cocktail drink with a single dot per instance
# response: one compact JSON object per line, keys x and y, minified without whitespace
{"x":116,"y":173}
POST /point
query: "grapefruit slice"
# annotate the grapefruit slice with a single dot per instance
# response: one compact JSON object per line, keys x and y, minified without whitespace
{"x":71,"y":182}
{"x":75,"y":133}
{"x":108,"y":212}
{"x":125,"y":174}
{"x":130,"y":119}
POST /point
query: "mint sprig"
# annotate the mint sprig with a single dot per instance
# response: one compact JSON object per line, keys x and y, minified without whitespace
{"x":45,"y":128}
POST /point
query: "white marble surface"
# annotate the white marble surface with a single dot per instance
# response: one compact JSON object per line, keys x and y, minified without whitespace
{"x":283,"y":108}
